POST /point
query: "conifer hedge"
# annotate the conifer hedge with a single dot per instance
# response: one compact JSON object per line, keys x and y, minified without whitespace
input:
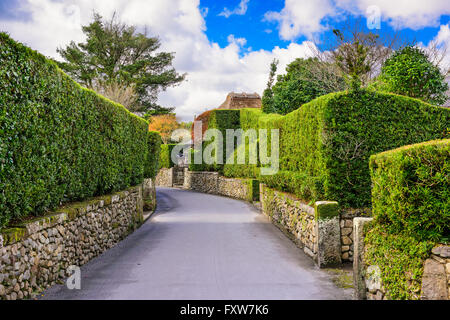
{"x":60,"y":142}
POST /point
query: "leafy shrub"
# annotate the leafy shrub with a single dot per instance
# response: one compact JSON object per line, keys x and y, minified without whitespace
{"x":305,"y":80}
{"x":60,"y":142}
{"x":411,"y":190}
{"x":411,"y":73}
{"x":400,"y":258}
{"x":154,"y":150}
{"x":165,"y":158}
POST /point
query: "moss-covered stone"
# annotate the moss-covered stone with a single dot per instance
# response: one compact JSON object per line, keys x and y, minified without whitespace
{"x":13,"y":235}
{"x":326,"y":210}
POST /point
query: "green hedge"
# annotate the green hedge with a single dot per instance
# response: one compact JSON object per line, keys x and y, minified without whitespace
{"x":153,"y":156}
{"x":411,"y":210}
{"x":165,"y":158}
{"x":325,"y":145}
{"x":60,"y":142}
{"x":411,"y":190}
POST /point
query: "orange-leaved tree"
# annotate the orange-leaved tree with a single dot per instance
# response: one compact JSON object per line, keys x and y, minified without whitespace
{"x":165,"y":124}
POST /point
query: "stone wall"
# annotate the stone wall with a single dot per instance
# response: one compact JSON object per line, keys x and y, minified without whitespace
{"x":37,"y":254}
{"x":213,"y":183}
{"x":164,"y":178}
{"x":436,"y":275}
{"x":315,"y":229}
{"x":346,"y":225}
{"x":367,"y":280}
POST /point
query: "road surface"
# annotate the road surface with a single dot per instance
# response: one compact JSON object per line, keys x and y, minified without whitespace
{"x":199,"y":246}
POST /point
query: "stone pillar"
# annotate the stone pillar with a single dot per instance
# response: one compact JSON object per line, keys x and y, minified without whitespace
{"x":149,"y":194}
{"x":328,"y":233}
{"x":358,"y":263}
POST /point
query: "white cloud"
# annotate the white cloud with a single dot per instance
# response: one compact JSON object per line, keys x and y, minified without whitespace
{"x":212,"y":71}
{"x":240,"y":10}
{"x":414,"y":14}
{"x":301,"y":17}
{"x":306,"y":18}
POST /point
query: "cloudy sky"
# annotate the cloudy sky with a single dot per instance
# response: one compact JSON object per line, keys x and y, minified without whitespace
{"x":223,"y":45}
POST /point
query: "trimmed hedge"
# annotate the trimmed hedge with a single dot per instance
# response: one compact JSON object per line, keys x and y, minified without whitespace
{"x":411,"y":190}
{"x":60,"y":142}
{"x":411,"y":209}
{"x":153,"y":156}
{"x":165,"y":158}
{"x":325,"y":145}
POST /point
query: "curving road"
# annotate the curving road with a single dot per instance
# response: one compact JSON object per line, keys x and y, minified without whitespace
{"x":199,"y":246}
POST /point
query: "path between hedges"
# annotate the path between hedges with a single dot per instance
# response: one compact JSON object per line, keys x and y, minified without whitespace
{"x":199,"y":246}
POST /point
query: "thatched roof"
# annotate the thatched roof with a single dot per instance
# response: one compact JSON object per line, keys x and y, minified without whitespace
{"x":241,"y":101}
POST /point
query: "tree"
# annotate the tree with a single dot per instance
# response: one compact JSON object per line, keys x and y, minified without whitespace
{"x":116,"y":53}
{"x":125,"y":95}
{"x":305,"y":80}
{"x":410,"y":72}
{"x":267,"y":98}
{"x":358,"y":53}
{"x":165,"y":125}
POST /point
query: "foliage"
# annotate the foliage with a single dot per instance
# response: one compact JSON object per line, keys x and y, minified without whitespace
{"x":116,"y":52}
{"x":268,"y":93}
{"x":411,"y":190}
{"x":165,"y":158}
{"x":400,"y":258}
{"x":153,"y":156}
{"x":60,"y":142}
{"x":410,"y":72}
{"x":305,"y":80}
{"x":164,"y":124}
{"x":222,"y":120}
{"x":325,"y":145}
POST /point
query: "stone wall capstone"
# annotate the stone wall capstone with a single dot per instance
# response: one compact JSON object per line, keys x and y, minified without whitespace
{"x":38,"y":253}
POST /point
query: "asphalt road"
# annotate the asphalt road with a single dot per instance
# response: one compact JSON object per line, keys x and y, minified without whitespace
{"x":199,"y":246}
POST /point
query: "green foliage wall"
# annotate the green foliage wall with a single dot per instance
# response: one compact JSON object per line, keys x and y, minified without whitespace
{"x":153,"y":156}
{"x":411,"y":190}
{"x":60,"y":142}
{"x":165,"y":159}
{"x":325,"y":145}
{"x":411,"y":209}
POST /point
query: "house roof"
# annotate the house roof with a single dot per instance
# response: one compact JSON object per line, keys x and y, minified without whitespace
{"x":241,"y":100}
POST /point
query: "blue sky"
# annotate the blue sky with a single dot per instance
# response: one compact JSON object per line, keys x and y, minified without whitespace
{"x":263,"y":34}
{"x":224,"y":50}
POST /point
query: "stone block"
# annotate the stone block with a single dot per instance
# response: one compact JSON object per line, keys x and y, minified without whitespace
{"x":359,"y":284}
{"x":442,"y":251}
{"x":434,"y":281}
{"x":328,"y":232}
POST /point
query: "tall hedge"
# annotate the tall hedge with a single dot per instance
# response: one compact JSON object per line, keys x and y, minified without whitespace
{"x":60,"y":142}
{"x":326,"y":144}
{"x":411,"y":209}
{"x":411,"y":190}
{"x":165,"y":157}
{"x":153,"y":156}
